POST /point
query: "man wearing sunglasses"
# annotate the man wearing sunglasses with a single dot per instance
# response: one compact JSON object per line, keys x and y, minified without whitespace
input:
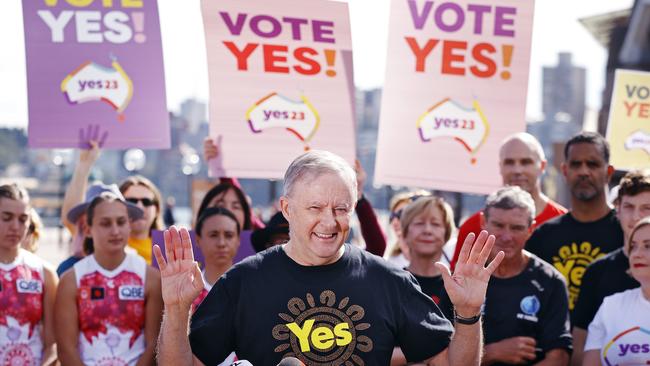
{"x":521,"y":163}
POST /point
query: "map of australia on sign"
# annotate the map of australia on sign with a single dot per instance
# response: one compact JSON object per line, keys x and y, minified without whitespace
{"x":449,"y":119}
{"x":277,"y":111}
{"x":94,"y":82}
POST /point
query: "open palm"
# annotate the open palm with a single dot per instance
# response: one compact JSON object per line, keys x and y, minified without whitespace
{"x":468,"y":284}
{"x":181,"y":278}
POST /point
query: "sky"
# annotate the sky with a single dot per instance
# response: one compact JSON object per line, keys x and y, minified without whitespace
{"x":556,"y":29}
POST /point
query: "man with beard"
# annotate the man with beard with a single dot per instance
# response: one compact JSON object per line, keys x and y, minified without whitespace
{"x":590,"y":229}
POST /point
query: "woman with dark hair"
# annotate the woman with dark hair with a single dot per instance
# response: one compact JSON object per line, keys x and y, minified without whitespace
{"x":108,"y":307}
{"x":27,"y":288}
{"x":217,"y":234}
{"x":141,"y":192}
{"x":231,"y":197}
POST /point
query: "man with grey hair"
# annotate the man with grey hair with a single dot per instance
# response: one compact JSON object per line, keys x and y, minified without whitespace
{"x":316,"y":298}
{"x":521,"y":163}
{"x":526,"y":311}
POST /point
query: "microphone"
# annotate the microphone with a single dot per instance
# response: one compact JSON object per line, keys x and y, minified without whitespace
{"x":241,"y":363}
{"x":291,"y":361}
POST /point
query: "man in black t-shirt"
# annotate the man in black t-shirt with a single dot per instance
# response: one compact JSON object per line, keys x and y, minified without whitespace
{"x":609,"y":274}
{"x":526,"y":314}
{"x":590,"y":229}
{"x":316,"y":298}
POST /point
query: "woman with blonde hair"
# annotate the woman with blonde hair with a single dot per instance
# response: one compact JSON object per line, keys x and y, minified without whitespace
{"x":620,"y":332}
{"x":398,"y":252}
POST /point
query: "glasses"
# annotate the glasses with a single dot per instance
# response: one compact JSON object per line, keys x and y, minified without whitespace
{"x":146,"y":202}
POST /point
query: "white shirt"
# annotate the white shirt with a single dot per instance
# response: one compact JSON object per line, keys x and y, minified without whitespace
{"x":621,"y":329}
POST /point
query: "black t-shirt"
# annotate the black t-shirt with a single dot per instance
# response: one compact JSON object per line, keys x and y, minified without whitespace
{"x":355,"y":311}
{"x":606,"y":276}
{"x":434,"y":287}
{"x":570,"y":246}
{"x":533,"y":304}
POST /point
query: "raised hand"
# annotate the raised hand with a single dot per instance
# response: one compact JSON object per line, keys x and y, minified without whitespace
{"x":361,"y":177}
{"x":89,"y":155}
{"x":210,"y":149}
{"x":467,"y":286}
{"x":181,"y":278}
{"x":91,"y":134}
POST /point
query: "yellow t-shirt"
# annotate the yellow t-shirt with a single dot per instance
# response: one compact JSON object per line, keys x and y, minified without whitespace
{"x":142,"y":246}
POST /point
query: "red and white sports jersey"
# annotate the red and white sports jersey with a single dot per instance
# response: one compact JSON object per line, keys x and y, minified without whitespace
{"x":199,"y":299}
{"x":21,"y":310}
{"x":111,"y":311}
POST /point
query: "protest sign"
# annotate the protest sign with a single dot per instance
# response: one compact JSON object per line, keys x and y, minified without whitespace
{"x":456,"y":82}
{"x":628,"y":129}
{"x":95,"y":70}
{"x":280,"y":83}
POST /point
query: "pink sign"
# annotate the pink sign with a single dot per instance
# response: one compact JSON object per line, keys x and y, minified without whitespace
{"x":456,"y":82}
{"x":280,"y":83}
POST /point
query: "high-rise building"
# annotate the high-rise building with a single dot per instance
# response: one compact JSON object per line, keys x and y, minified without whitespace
{"x":564,"y":91}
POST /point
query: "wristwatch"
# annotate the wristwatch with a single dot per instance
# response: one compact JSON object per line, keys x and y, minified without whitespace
{"x":466,"y":321}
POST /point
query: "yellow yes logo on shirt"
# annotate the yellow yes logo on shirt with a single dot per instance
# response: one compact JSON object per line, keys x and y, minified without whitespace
{"x":322,"y":331}
{"x":572,"y":261}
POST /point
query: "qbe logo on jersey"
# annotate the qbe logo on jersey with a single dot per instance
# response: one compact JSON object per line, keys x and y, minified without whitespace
{"x":131,"y":292}
{"x":29,"y":286}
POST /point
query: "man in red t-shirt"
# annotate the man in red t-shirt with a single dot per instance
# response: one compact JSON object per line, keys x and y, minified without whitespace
{"x":521,"y":163}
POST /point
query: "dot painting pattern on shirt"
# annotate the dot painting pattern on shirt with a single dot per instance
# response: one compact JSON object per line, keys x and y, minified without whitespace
{"x":323,"y":331}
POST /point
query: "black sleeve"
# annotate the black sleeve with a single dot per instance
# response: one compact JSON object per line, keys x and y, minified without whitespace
{"x":588,"y":302}
{"x":555,"y":326}
{"x":212,"y":328}
{"x":422,"y":331}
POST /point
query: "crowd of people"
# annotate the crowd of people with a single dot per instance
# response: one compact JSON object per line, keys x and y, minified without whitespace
{"x":522,"y":281}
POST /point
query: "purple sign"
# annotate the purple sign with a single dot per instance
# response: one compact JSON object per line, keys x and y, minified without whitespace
{"x":95,"y":71}
{"x":245,"y":247}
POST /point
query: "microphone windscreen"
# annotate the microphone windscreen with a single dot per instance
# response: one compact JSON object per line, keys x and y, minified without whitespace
{"x":291,"y":361}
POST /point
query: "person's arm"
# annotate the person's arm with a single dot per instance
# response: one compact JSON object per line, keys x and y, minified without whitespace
{"x":153,"y":315}
{"x":586,"y":308}
{"x":555,"y":357}
{"x":66,"y":322}
{"x":76,"y":190}
{"x":592,"y":358}
{"x":51,"y":282}
{"x":371,"y":231}
{"x":181,"y":284}
{"x":597,"y":335}
{"x":466,"y":290}
{"x":515,"y":350}
{"x":554,"y":334}
{"x":579,"y":338}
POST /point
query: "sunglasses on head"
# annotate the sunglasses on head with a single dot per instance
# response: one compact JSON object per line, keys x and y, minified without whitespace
{"x":146,"y":202}
{"x":398,"y":213}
